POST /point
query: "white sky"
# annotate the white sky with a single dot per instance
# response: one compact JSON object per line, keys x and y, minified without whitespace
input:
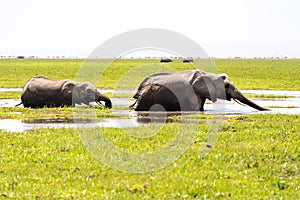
{"x":222,"y":27}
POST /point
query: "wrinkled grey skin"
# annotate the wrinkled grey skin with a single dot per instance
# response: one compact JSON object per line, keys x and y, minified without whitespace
{"x":41,"y":91}
{"x":186,"y":91}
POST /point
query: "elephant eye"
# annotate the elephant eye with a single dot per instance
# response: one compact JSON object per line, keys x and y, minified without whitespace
{"x":226,"y":86}
{"x":90,"y":91}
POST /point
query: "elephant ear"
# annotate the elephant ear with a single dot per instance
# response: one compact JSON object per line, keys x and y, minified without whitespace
{"x":70,"y":93}
{"x":205,"y":87}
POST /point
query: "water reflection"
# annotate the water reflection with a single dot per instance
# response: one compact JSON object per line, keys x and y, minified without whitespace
{"x":11,"y":125}
{"x":139,"y":119}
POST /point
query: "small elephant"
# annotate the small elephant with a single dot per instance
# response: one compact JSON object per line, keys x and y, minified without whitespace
{"x":41,"y":91}
{"x":186,"y":91}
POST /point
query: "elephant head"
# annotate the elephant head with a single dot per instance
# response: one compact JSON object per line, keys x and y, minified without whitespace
{"x":83,"y":92}
{"x":215,"y":87}
{"x":233,"y":93}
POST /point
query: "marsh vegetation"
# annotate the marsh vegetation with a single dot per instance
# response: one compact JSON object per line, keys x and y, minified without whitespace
{"x":255,"y":156}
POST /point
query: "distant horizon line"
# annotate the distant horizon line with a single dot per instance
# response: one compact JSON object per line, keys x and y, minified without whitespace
{"x":147,"y":57}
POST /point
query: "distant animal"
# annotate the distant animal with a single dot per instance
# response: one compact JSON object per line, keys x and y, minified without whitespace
{"x":166,"y":60}
{"x":41,"y":91}
{"x":187,"y":60}
{"x":186,"y":91}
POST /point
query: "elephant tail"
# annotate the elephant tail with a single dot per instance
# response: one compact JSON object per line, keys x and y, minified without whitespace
{"x":135,"y":96}
{"x":18,"y":104}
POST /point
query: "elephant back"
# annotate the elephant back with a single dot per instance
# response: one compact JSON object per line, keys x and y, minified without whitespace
{"x":41,"y":91}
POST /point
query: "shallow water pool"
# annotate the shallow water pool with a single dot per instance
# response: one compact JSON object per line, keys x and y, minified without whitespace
{"x":135,"y":119}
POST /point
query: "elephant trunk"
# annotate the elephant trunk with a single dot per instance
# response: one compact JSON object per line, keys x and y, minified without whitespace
{"x":248,"y":102}
{"x":100,"y":97}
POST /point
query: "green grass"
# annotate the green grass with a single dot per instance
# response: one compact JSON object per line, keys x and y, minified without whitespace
{"x":262,"y":73}
{"x":10,"y":95}
{"x":256,"y":157}
{"x":67,"y":113}
{"x":15,"y":72}
{"x":246,"y":74}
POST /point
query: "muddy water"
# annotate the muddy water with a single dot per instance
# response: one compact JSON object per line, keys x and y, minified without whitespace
{"x":135,"y":119}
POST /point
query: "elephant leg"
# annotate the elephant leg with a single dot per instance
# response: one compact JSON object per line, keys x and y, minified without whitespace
{"x":142,"y":104}
{"x":201,"y":101}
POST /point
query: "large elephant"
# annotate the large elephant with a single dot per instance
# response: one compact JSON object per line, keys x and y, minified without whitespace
{"x":41,"y":91}
{"x":186,"y":91}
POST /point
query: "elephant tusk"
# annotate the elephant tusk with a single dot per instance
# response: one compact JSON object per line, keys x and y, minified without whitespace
{"x":99,"y":103}
{"x":133,"y":104}
{"x":239,"y":102}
